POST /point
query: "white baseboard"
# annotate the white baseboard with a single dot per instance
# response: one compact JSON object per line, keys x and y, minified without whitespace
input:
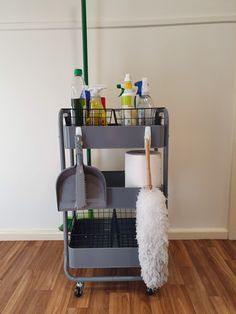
{"x":54,"y":234}
{"x":30,"y":234}
{"x":197,"y":233}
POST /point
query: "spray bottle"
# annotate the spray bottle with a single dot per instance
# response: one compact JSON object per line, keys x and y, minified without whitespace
{"x":77,"y":100}
{"x":144,"y":103}
{"x":97,"y":112}
{"x":127,"y":97}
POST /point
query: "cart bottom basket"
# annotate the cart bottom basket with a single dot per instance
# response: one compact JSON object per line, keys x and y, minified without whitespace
{"x":106,"y":240}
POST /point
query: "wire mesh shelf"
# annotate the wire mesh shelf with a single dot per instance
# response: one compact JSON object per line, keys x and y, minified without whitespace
{"x":115,"y":117}
{"x":104,"y":228}
{"x":125,"y":221}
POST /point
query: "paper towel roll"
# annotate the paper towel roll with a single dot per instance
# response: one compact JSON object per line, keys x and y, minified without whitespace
{"x":135,"y":168}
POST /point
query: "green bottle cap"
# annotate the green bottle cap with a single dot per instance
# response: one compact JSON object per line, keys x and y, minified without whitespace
{"x":78,"y":72}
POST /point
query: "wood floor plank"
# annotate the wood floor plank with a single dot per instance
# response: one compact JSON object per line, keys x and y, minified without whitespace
{"x":9,"y":256}
{"x":6,"y":249}
{"x":139,"y":301}
{"x":219,"y":305}
{"x":232,"y":265}
{"x":59,"y":296}
{"x":202,"y":280}
{"x":174,"y":265}
{"x":46,"y":273}
{"x":119,"y":303}
{"x":179,"y":254}
{"x":198,"y":286}
{"x":157,"y":305}
{"x":165,"y":302}
{"x":229,"y":247}
{"x":180,"y":300}
{"x":224,"y":250}
{"x":34,"y":303}
{"x":226,"y":275}
{"x":19,"y":265}
{"x":18,"y":294}
{"x":203,"y":269}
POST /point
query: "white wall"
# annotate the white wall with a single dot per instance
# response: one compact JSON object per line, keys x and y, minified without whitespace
{"x":232,"y":207}
{"x":112,"y":11}
{"x":192,"y":72}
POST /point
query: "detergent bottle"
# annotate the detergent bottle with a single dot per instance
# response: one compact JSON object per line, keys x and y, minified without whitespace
{"x":97,"y":112}
{"x":76,"y":101}
{"x":144,"y":103}
{"x":127,"y":97}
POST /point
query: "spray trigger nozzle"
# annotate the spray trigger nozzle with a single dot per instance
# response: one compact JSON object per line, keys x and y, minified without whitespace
{"x":120,"y":86}
{"x":139,"y":86}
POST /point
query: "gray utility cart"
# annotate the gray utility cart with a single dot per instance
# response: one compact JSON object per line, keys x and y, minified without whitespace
{"x":106,"y":237}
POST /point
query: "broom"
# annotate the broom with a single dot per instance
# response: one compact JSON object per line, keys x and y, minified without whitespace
{"x":151,"y":228}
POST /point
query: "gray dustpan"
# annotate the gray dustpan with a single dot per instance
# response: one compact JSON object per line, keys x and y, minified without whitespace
{"x":80,"y":186}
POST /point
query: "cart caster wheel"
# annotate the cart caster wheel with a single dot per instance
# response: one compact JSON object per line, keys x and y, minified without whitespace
{"x":78,"y":289}
{"x":149,"y":291}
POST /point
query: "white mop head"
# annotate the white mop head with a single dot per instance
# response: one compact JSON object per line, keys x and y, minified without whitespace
{"x":152,"y":237}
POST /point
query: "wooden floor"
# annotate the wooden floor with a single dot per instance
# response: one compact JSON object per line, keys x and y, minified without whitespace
{"x":202,"y":280}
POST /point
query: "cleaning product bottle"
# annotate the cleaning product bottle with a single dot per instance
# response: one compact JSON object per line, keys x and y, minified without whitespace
{"x":97,"y":113}
{"x":144,"y":103}
{"x":127,"y":102}
{"x":78,"y":100}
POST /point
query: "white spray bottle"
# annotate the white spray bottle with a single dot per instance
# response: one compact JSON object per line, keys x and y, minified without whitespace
{"x":127,"y":102}
{"x":144,"y":103}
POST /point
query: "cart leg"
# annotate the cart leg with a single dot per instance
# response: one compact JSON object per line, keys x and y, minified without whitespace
{"x":150,"y":291}
{"x":79,"y":287}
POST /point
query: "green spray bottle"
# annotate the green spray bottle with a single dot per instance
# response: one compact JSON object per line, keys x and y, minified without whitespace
{"x":77,"y":100}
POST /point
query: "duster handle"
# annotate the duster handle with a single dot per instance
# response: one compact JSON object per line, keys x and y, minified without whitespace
{"x":148,"y":166}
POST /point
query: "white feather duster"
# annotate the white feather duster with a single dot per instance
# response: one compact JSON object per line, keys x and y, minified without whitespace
{"x":152,"y":237}
{"x":151,"y":228}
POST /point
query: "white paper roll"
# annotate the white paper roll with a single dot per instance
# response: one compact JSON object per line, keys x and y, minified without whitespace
{"x":135,"y":169}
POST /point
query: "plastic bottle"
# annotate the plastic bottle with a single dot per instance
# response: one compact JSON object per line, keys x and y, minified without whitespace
{"x":127,"y":102}
{"x":144,"y":103}
{"x":78,"y":99}
{"x":97,"y":112}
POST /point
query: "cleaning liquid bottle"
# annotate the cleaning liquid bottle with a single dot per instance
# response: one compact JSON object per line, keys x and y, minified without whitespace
{"x":144,"y":103}
{"x":127,"y":102}
{"x":78,"y":99}
{"x":97,"y":112}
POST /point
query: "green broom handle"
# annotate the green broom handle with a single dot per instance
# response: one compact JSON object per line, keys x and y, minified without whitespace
{"x":85,"y":56}
{"x":84,"y":40}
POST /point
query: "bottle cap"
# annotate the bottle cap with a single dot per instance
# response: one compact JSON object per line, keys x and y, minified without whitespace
{"x":78,"y":72}
{"x":127,"y":82}
{"x":127,"y":77}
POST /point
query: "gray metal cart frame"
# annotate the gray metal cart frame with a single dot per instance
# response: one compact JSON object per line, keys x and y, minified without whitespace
{"x":117,"y":196}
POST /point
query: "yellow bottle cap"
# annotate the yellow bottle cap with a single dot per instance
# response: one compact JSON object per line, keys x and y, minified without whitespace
{"x":128,"y":85}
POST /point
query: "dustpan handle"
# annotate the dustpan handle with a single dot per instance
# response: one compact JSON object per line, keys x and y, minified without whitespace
{"x":79,"y":150}
{"x":148,"y":165}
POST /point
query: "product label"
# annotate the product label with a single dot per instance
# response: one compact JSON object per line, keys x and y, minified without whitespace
{"x":129,"y":116}
{"x":77,"y":115}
